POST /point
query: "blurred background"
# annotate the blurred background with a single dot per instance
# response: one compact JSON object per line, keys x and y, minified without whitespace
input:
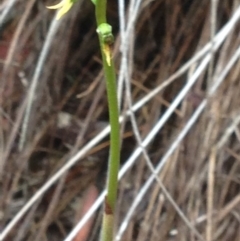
{"x":180,"y":61}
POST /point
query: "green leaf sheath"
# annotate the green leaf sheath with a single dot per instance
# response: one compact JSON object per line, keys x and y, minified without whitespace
{"x":105,"y":33}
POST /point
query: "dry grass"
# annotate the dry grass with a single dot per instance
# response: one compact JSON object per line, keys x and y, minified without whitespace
{"x":53,"y":116}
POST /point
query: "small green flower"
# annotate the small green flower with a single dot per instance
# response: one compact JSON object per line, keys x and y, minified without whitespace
{"x":64,"y":6}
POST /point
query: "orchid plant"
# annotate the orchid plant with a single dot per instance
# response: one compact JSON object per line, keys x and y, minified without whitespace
{"x":106,"y":39}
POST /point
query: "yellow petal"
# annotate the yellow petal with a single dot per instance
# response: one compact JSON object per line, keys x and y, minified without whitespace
{"x":63,"y":7}
{"x":57,"y":6}
{"x":66,"y":7}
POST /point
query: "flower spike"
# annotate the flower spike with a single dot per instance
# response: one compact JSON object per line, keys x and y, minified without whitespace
{"x":64,"y":6}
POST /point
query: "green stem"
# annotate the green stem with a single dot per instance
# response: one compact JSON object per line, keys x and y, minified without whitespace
{"x":101,"y":11}
{"x":105,"y":38}
{"x":114,"y":154}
